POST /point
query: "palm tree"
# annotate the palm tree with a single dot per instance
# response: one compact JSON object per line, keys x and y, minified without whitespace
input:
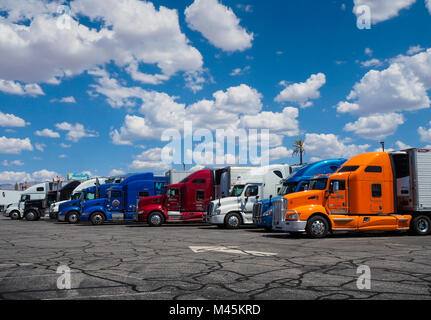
{"x":298,"y":149}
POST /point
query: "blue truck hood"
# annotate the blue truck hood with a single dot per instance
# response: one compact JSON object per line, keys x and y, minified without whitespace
{"x":95,"y":202}
{"x":68,"y":204}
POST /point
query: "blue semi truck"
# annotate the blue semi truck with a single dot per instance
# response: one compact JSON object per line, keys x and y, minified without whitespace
{"x":114,"y":201}
{"x":70,"y":211}
{"x":298,"y":181}
{"x":121,"y":200}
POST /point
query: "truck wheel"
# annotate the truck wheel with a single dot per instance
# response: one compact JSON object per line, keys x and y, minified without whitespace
{"x":14,"y":215}
{"x":97,"y":218}
{"x":155,"y":219}
{"x":232,"y":221}
{"x":421,"y":225}
{"x":317,"y":227}
{"x":72,"y":218}
{"x":31,"y":215}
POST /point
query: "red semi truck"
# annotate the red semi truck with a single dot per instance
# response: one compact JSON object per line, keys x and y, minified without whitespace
{"x":187,"y":201}
{"x":182,"y":202}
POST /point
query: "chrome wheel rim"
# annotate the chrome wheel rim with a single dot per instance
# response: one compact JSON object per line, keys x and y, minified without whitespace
{"x":73,"y":218}
{"x":318,"y":227}
{"x":14,"y":215}
{"x":155,"y":219}
{"x":97,"y":219}
{"x":233,"y":221}
{"x":423,"y":225}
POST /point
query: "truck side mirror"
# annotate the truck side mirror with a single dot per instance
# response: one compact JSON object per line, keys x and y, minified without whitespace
{"x":257,"y":198}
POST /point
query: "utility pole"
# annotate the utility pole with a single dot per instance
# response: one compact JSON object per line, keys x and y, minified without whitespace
{"x":383,"y":145}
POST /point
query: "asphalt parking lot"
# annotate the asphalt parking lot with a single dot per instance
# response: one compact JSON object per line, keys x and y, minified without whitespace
{"x":133,"y":261}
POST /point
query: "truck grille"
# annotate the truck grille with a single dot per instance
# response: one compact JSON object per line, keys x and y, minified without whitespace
{"x":279,"y":211}
{"x":210,"y":209}
{"x":257,"y":213}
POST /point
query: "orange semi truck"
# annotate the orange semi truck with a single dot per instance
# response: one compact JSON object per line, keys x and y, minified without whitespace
{"x":378,"y":191}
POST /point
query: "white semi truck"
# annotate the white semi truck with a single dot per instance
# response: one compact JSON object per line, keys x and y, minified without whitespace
{"x":237,"y":209}
{"x":8,"y":197}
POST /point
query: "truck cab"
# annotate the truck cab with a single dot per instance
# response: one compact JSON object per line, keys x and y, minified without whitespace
{"x":237,"y":209}
{"x":121,"y":200}
{"x":36,"y":192}
{"x":181,"y":202}
{"x":71,"y":211}
{"x":298,"y":181}
{"x":360,"y":196}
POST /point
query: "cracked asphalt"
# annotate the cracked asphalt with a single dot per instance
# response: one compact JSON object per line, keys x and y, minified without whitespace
{"x":134,"y":261}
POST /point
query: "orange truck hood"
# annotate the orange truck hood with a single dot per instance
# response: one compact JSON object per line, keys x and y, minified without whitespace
{"x":303,"y":198}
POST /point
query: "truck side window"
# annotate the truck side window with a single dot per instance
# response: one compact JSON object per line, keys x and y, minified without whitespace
{"x":341,"y":185}
{"x":377,"y":169}
{"x":200,"y":195}
{"x":376,"y":190}
{"x":252,"y":191}
{"x":116,"y":194}
{"x":143,"y":194}
{"x":348,"y":169}
{"x":278,"y":174}
{"x":198,"y":181}
{"x":40,"y":189}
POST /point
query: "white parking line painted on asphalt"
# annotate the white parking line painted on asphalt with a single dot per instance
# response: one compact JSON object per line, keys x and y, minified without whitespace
{"x":230,"y":249}
{"x":7,"y":265}
{"x":107,"y":296}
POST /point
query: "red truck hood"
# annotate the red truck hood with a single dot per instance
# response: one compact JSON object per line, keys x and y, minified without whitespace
{"x":150,"y":200}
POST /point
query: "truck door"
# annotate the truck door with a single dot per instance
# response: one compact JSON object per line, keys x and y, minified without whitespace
{"x":250,"y":194}
{"x":337,"y":205}
{"x":337,"y":201}
{"x":115,"y":201}
{"x":173,"y":199}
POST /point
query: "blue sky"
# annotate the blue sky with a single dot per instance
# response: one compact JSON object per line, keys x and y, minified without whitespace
{"x":290,"y":64}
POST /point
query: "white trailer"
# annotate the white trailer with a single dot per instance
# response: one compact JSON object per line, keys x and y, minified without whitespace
{"x":237,"y":209}
{"x":227,"y":178}
{"x":175,"y":176}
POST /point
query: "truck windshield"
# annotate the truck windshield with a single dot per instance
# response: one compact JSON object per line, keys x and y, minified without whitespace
{"x":287,"y":188}
{"x":25,"y":197}
{"x":318,"y":184}
{"x":237,"y":191}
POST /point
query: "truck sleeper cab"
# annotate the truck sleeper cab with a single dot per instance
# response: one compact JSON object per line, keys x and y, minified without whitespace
{"x":121,"y":201}
{"x":185,"y":201}
{"x":296,"y":182}
{"x":370,"y":192}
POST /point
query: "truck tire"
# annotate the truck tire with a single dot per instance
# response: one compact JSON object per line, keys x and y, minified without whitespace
{"x":317,"y":227}
{"x":14,"y":215}
{"x":421,"y":225}
{"x":31,"y":215}
{"x":72,"y":217}
{"x":155,"y":219}
{"x":97,"y":218}
{"x":233,"y":221}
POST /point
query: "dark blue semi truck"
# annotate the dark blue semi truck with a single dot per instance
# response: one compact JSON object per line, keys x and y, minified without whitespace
{"x":121,"y":200}
{"x":298,"y":181}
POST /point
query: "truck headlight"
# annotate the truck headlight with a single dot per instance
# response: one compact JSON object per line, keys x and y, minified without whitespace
{"x":292,"y":216}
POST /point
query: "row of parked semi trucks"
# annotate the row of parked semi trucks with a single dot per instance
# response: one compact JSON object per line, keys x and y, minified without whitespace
{"x":378,"y":191}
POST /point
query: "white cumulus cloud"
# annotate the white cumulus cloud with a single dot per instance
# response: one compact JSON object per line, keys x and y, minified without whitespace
{"x":218,"y":24}
{"x":14,"y":145}
{"x":10,"y":120}
{"x":47,"y":133}
{"x":376,"y":126}
{"x":382,"y":10}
